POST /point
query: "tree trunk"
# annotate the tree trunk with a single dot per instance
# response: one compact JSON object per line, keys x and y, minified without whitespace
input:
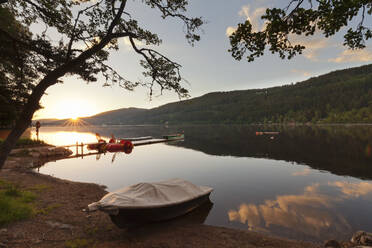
{"x":32,"y":104}
{"x":29,"y":109}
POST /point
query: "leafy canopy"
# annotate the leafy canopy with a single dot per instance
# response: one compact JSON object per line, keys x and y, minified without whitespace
{"x":17,"y":70}
{"x":86,"y":33}
{"x":76,"y":38}
{"x":302,"y":17}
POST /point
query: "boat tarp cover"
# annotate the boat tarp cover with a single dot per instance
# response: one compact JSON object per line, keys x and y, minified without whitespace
{"x":150,"y":195}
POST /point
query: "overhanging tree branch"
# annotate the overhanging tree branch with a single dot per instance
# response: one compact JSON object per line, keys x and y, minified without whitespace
{"x":99,"y":26}
{"x":327,"y":17}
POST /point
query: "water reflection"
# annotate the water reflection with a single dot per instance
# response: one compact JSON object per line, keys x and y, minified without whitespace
{"x":338,"y":149}
{"x":288,"y":186}
{"x":311,"y":215}
{"x":65,"y":137}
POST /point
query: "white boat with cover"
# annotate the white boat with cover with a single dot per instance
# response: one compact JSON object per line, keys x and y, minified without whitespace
{"x":149,"y":202}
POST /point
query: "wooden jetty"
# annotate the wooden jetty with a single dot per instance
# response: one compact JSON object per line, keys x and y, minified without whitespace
{"x":140,"y":141}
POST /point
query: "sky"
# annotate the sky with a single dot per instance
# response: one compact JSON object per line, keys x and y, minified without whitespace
{"x":208,"y":66}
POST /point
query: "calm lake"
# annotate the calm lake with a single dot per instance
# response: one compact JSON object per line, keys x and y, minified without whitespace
{"x":305,"y":183}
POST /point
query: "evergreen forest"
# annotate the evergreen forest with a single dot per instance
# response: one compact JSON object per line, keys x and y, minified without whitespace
{"x":343,"y":96}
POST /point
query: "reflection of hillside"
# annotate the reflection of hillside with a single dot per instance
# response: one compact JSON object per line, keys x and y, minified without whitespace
{"x":340,"y":150}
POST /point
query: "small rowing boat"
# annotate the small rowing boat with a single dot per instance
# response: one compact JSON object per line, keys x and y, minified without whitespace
{"x":137,"y":138}
{"x":151,"y":202}
{"x":177,"y":136}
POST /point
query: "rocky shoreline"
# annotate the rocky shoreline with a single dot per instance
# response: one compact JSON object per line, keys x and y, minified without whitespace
{"x":60,"y":221}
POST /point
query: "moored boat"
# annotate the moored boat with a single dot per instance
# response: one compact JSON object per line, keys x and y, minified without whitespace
{"x":177,"y":136}
{"x":123,"y":146}
{"x":96,"y":146}
{"x":137,"y":138}
{"x":150,"y":202}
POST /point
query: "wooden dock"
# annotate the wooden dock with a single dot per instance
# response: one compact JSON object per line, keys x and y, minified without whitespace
{"x":135,"y":141}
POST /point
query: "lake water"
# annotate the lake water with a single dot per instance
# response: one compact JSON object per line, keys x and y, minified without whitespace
{"x":305,"y":183}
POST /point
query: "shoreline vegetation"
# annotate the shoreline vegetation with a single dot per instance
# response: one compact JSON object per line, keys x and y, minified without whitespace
{"x":54,"y":218}
{"x":27,"y":143}
{"x":15,"y":204}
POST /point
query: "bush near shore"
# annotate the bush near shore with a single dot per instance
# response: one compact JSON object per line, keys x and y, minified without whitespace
{"x":24,"y":143}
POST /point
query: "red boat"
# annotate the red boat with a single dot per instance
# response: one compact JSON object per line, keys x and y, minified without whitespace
{"x":124,"y":146}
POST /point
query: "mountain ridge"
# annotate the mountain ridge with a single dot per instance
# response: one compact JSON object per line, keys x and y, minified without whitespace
{"x":338,"y":96}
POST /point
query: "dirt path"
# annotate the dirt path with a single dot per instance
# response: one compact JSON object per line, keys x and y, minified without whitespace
{"x":60,"y":221}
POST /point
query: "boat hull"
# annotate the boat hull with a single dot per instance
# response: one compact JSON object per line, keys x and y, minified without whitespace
{"x":96,"y":146}
{"x":127,"y":218}
{"x":174,"y":137}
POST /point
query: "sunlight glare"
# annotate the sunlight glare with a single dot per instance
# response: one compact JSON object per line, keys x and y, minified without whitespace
{"x":70,"y":109}
{"x":59,"y":138}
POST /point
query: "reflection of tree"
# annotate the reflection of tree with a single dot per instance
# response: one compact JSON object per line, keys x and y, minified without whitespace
{"x":340,"y":150}
{"x":311,"y":215}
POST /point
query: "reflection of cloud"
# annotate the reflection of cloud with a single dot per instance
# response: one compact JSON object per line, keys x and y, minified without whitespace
{"x":353,"y":190}
{"x":254,"y":18}
{"x":306,"y":214}
{"x":353,"y":56}
{"x":312,"y":189}
{"x":247,"y":214}
{"x":311,"y":213}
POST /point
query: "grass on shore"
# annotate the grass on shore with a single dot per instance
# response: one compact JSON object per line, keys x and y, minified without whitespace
{"x":21,"y":143}
{"x":15,"y":204}
{"x":79,"y":243}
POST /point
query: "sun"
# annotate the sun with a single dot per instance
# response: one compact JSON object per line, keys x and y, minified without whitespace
{"x":75,"y":122}
{"x":73,"y":109}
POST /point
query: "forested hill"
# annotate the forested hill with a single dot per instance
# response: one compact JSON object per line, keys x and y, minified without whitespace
{"x":340,"y":96}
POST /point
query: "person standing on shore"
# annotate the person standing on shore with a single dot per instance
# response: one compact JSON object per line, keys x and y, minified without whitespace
{"x":37,"y":125}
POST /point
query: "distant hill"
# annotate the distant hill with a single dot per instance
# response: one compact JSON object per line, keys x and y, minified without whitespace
{"x":119,"y":116}
{"x":339,"y":96}
{"x":113,"y":117}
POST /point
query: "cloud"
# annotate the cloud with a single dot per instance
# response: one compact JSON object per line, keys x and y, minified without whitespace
{"x":353,"y":56}
{"x":230,"y":31}
{"x":313,"y":45}
{"x":129,"y":45}
{"x":253,"y":16}
{"x":306,"y":74}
